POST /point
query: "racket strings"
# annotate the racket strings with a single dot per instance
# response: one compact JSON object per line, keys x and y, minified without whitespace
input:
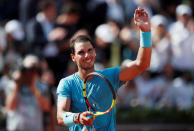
{"x":97,"y":113}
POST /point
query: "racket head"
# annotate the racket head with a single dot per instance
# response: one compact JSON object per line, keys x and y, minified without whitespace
{"x":111,"y":89}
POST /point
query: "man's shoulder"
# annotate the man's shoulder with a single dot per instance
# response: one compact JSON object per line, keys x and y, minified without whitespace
{"x":66,"y":82}
{"x":109,"y":70}
{"x":69,"y":78}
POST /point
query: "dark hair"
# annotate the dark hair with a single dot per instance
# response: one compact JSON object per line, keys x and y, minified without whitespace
{"x":45,"y":4}
{"x":80,"y":38}
{"x":71,"y":8}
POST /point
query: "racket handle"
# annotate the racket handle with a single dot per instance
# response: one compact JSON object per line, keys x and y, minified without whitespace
{"x":89,"y":116}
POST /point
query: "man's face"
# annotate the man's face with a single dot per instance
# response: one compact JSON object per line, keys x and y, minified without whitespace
{"x":184,"y":19}
{"x":84,"y":55}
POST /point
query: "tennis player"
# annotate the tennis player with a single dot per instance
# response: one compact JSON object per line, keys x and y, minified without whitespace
{"x":71,"y":107}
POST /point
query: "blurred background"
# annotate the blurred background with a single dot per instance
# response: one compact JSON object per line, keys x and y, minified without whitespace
{"x":34,"y":44}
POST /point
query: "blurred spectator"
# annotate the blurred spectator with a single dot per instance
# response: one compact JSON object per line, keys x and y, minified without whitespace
{"x":14,"y":30}
{"x":129,"y":42}
{"x":27,"y":11}
{"x":182,"y":40}
{"x":191,"y":25}
{"x":115,"y":11}
{"x":184,"y":91}
{"x":115,"y":56}
{"x":97,"y":10}
{"x":43,"y":65}
{"x":145,"y":86}
{"x":163,"y":87}
{"x":71,"y":69}
{"x":155,"y":4}
{"x":168,"y":8}
{"x":47,"y":77}
{"x":27,"y":99}
{"x":5,"y":83}
{"x":127,"y":95}
{"x":166,"y":98}
{"x":1,"y":62}
{"x":152,"y":6}
{"x":15,"y":47}
{"x":67,"y":24}
{"x":46,"y":39}
{"x":69,"y":19}
{"x":38,"y":29}
{"x":3,"y":45}
{"x":161,"y":43}
{"x":104,"y":37}
{"x":115,"y":27}
{"x":128,"y":7}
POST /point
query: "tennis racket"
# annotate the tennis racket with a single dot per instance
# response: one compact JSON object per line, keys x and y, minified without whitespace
{"x":91,"y":106}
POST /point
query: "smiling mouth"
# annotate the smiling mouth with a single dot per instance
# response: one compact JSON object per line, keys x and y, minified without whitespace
{"x":88,"y":61}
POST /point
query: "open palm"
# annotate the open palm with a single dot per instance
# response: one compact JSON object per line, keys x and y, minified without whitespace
{"x":141,"y":20}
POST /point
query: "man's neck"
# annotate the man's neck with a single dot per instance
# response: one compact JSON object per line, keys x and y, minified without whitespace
{"x":83,"y":73}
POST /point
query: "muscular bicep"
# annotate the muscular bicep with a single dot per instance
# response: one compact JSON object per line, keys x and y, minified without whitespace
{"x":129,"y":71}
{"x":133,"y":68}
{"x":63,"y":105}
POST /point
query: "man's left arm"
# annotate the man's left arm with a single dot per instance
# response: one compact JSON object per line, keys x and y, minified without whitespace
{"x":43,"y":100}
{"x":132,"y":69}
